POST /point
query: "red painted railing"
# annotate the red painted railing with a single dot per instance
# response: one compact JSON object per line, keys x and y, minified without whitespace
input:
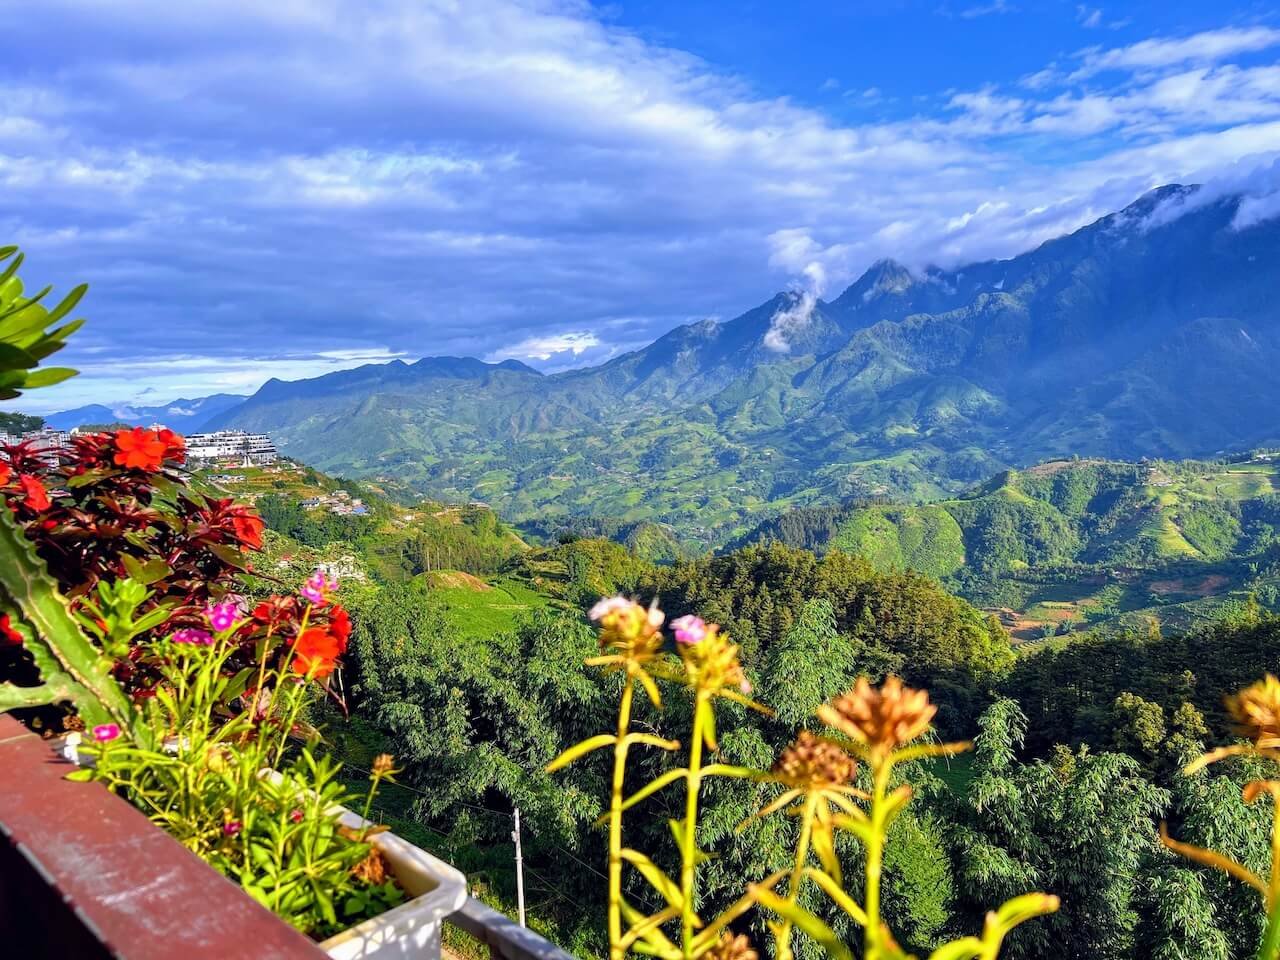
{"x":84,"y":875}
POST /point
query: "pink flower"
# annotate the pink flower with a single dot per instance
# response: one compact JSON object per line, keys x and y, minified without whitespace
{"x":689,"y":629}
{"x":232,"y":827}
{"x":295,"y":816}
{"x":223,"y":616}
{"x":191,"y":635}
{"x":318,"y":587}
{"x":106,"y":731}
{"x":610,"y":605}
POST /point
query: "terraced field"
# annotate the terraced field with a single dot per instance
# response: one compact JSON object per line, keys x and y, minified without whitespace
{"x":482,"y":608}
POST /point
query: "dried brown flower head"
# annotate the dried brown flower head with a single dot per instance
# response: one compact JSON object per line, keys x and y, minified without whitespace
{"x":813,"y":763}
{"x":384,"y":765}
{"x":1256,"y":712}
{"x":373,"y":869}
{"x":729,"y":947}
{"x":883,"y":719}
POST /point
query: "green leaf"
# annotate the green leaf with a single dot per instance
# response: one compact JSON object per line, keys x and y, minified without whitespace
{"x":895,"y":803}
{"x":68,"y":303}
{"x":652,"y":787}
{"x":824,"y":847}
{"x":967,"y":948}
{"x":145,"y":573}
{"x":89,"y":685}
{"x":13,"y":358}
{"x":580,"y":750}
{"x":669,"y":889}
{"x":48,"y":376}
{"x":728,"y":770}
{"x":804,"y":920}
{"x":709,"y":728}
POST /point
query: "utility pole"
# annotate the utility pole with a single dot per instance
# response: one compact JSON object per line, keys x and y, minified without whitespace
{"x":515,"y":835}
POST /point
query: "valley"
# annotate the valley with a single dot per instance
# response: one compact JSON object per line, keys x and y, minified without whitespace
{"x":1071,"y":546}
{"x":1054,"y":552}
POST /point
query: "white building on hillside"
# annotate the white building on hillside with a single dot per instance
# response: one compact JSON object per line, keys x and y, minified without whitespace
{"x":46,"y":442}
{"x":247,"y":448}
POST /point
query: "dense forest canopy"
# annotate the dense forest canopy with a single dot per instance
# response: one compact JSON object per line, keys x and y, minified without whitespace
{"x":467,"y":660}
{"x":1078,"y":760}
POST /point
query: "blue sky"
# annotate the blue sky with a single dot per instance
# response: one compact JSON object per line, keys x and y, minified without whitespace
{"x":284,"y":189}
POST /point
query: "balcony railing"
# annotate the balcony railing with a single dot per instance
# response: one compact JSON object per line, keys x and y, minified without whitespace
{"x":83,"y":874}
{"x":505,"y":938}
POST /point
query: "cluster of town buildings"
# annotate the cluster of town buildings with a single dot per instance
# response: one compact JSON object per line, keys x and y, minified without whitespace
{"x":234,"y":446}
{"x":339,"y":502}
{"x":44,"y":440}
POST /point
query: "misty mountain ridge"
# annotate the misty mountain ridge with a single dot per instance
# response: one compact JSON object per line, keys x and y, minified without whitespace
{"x":185,"y":415}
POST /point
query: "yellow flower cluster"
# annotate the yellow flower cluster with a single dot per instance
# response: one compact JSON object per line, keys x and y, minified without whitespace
{"x":1256,"y":712}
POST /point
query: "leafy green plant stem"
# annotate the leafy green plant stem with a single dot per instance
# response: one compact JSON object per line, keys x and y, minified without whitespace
{"x":797,"y":873}
{"x":620,"y":747}
{"x":1270,"y":947}
{"x":875,"y":858}
{"x":689,"y":837}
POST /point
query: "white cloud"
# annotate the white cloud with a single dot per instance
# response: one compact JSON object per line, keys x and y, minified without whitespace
{"x":544,"y":347}
{"x":1090,"y":18}
{"x":1209,"y":46}
{"x":796,"y":251}
{"x":987,"y":9}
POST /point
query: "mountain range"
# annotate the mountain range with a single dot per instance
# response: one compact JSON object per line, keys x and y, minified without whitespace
{"x":1153,"y":332}
{"x":187,"y":416}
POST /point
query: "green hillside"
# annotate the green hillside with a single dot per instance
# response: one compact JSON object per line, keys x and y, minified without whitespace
{"x":1073,"y":544}
{"x":926,"y":538}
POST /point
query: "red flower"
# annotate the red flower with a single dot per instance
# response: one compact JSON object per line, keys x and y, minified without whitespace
{"x":140,"y":449}
{"x":248,"y":527}
{"x":5,"y":473}
{"x":9,"y":637}
{"x":175,"y":448}
{"x":316,"y":653}
{"x":340,"y":626}
{"x":33,"y":490}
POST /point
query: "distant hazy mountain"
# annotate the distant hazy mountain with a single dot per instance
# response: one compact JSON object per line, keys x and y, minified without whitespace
{"x":183,"y":415}
{"x":1153,"y":332}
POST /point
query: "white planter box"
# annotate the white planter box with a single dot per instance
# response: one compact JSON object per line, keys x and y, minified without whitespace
{"x":413,"y":928}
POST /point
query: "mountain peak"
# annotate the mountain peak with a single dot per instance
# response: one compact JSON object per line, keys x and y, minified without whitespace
{"x":884,"y":277}
{"x":513,"y":364}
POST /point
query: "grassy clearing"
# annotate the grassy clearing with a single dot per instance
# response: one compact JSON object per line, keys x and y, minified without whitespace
{"x":486,"y":610}
{"x":956,"y":772}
